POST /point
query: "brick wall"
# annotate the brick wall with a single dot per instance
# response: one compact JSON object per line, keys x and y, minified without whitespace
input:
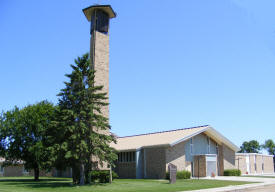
{"x":13,"y":171}
{"x":229,"y":158}
{"x":242,"y":163}
{"x":220,"y":160}
{"x":268,"y":164}
{"x":102,"y":65}
{"x":259,"y":161}
{"x":199,"y":166}
{"x":126,"y":169}
{"x":176,"y":156}
{"x":252,"y":164}
{"x":155,"y":163}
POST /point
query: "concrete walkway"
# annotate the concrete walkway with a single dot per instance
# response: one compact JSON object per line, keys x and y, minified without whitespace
{"x":237,"y":188}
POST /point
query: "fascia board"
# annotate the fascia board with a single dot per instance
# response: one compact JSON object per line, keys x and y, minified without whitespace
{"x":188,"y":137}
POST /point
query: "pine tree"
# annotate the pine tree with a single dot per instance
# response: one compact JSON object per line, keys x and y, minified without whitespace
{"x":82,"y":123}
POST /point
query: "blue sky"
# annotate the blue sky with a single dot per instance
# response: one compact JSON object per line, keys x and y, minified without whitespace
{"x":173,"y":64}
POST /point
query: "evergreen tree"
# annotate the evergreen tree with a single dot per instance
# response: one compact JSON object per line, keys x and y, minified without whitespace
{"x":82,"y":123}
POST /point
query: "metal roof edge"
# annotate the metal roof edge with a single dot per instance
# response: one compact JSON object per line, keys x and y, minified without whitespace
{"x":189,"y":136}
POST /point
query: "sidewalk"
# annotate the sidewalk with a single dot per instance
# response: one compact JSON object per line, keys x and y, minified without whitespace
{"x":261,"y":182}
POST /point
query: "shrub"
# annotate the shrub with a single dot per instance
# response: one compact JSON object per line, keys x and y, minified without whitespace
{"x":183,"y":175}
{"x":180,"y":175}
{"x":102,"y":176}
{"x":167,"y":175}
{"x":232,"y":172}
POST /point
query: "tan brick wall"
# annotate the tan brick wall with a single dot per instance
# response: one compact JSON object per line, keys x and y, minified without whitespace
{"x":259,"y":164}
{"x":176,"y":156}
{"x":155,"y":163}
{"x":229,"y":158}
{"x":268,"y":164}
{"x":220,"y":161}
{"x":13,"y":171}
{"x":126,"y":169}
{"x":252,"y":164}
{"x":200,"y":166}
{"x":242,"y":163}
{"x":102,"y":64}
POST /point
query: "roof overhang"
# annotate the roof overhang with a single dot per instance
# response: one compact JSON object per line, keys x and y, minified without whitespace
{"x":105,"y":8}
{"x":214,"y":134}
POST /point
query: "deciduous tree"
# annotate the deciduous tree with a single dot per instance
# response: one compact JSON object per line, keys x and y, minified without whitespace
{"x":23,"y":134}
{"x":252,"y":146}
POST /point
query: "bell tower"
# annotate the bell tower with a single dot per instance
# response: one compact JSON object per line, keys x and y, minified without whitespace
{"x":99,"y":16}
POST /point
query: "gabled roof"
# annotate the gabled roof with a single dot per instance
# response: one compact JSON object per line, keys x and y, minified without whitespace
{"x":169,"y":138}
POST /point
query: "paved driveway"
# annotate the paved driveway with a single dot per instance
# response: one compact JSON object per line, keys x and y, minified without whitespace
{"x":264,"y":184}
{"x":268,"y":188}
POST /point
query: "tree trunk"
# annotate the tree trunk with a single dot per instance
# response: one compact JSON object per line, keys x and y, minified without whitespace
{"x":36,"y":174}
{"x":88,"y":172}
{"x":111,"y":175}
{"x":74,"y":175}
{"x":82,"y":174}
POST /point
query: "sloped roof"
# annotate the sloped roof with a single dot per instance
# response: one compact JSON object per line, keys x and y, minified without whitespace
{"x":168,"y":138}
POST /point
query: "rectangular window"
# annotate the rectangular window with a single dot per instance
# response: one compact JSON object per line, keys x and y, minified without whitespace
{"x":191,"y":145}
{"x":208,"y":145}
{"x":217,"y":149}
{"x":127,"y":157}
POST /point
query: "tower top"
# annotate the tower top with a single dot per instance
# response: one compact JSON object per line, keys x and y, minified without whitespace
{"x":105,"y":8}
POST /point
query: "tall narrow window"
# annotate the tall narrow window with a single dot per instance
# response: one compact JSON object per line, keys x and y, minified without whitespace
{"x":217,"y":148}
{"x":191,"y":145}
{"x":208,"y":145}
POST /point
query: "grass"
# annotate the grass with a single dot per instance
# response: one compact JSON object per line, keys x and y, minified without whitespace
{"x":26,"y":184}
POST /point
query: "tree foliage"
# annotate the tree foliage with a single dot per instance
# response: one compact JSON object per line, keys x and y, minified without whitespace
{"x":269,"y":145}
{"x":252,"y":146}
{"x":23,"y":136}
{"x":81,"y":122}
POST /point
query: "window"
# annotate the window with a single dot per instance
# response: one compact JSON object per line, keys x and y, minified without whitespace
{"x":191,"y":145}
{"x":208,"y":145}
{"x":217,"y":148}
{"x":127,"y":156}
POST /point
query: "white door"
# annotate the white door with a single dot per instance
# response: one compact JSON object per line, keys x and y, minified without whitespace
{"x":247,"y":164}
{"x":211,"y":166}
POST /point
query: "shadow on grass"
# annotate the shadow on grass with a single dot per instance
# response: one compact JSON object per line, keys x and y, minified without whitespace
{"x":43,"y":183}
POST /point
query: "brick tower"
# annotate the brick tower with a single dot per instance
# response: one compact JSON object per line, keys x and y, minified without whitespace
{"x":99,"y":16}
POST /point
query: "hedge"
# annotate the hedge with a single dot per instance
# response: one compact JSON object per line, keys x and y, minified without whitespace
{"x":232,"y":172}
{"x":180,"y":175}
{"x":102,"y":176}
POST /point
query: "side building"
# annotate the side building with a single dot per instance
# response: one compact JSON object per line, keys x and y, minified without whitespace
{"x":18,"y":170}
{"x":254,"y":163}
{"x":201,"y":150}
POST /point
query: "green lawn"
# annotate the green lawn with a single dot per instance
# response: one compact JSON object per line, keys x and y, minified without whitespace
{"x":26,"y":184}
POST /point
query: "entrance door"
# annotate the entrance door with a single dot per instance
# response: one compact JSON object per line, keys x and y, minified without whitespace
{"x":247,"y":164}
{"x":211,"y":165}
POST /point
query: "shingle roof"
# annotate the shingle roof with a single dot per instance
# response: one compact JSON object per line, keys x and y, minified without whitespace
{"x":152,"y":139}
{"x":168,"y":138}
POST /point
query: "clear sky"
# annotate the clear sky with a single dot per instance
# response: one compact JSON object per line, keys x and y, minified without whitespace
{"x":173,"y":64}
